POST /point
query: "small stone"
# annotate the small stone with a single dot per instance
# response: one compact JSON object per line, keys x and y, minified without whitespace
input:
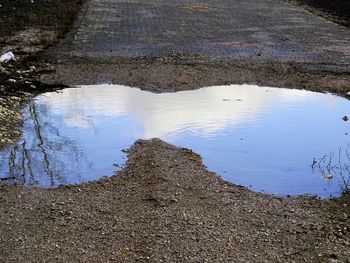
{"x":328,"y":176}
{"x":12,"y":80}
{"x":344,"y":216}
{"x":345,"y":118}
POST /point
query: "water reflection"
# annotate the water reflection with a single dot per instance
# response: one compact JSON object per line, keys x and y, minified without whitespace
{"x":264,"y":138}
{"x":41,"y":156}
{"x":206,"y":112}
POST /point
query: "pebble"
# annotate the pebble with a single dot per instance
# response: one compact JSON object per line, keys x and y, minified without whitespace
{"x":328,"y":176}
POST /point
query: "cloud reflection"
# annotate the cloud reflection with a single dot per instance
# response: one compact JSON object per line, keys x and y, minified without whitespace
{"x":206,"y":111}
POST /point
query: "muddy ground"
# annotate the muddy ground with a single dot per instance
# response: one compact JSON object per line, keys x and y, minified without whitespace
{"x":164,"y":206}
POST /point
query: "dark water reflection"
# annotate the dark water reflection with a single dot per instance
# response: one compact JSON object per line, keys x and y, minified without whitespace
{"x":263,"y":138}
{"x":43,"y":156}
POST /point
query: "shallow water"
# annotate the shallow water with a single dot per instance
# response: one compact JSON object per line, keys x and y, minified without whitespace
{"x":262,"y":138}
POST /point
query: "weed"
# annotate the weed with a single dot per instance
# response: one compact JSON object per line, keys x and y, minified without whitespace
{"x":335,"y":164}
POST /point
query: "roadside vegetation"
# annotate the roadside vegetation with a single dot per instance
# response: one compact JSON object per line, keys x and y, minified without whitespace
{"x":336,"y":10}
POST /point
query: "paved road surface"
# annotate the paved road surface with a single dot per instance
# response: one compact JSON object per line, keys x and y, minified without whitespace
{"x":270,"y":29}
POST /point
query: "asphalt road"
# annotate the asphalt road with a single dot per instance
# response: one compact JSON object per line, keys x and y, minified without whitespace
{"x":270,"y":30}
{"x":179,"y":45}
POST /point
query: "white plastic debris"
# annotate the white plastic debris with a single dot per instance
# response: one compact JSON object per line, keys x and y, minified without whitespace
{"x":7,"y":57}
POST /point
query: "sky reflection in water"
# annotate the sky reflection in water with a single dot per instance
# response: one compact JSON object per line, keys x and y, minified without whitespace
{"x":263,"y":138}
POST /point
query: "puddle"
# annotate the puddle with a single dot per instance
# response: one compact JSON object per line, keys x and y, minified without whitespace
{"x":262,"y":138}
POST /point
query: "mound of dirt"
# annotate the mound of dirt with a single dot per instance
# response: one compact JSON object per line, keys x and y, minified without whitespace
{"x":166,"y":207}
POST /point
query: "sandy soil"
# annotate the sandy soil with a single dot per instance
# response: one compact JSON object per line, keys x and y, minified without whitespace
{"x":164,"y":206}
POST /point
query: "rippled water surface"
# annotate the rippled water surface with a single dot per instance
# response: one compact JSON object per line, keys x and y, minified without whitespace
{"x":264,"y":138}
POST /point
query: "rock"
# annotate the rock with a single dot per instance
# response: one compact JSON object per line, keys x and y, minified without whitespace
{"x":328,"y":176}
{"x":344,"y":216}
{"x":345,"y":118}
{"x":348,"y":94}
